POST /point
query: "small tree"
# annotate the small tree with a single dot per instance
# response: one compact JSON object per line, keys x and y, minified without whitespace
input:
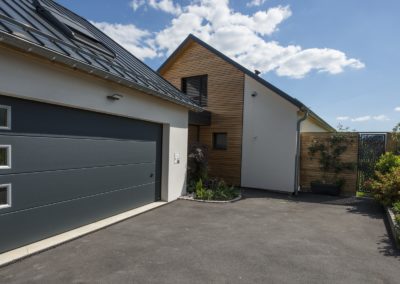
{"x":197,"y":164}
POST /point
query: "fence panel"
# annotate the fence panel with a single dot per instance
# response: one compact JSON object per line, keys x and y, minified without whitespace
{"x":310,"y":169}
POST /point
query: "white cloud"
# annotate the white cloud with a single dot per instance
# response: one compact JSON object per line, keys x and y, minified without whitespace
{"x":240,"y":36}
{"x":397,"y":109}
{"x":167,"y":6}
{"x":136,"y":4}
{"x":130,"y":37}
{"x":255,"y":3}
{"x":361,"y":118}
{"x":381,"y":117}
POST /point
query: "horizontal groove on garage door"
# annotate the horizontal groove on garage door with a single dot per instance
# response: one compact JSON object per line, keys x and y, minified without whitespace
{"x":28,"y":226}
{"x":32,"y":153}
{"x":70,"y":200}
{"x":37,"y":189}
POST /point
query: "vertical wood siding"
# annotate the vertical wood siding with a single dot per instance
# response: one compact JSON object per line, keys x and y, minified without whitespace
{"x":225,"y":102}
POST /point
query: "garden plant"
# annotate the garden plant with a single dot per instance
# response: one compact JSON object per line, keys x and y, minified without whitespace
{"x":200,"y":184}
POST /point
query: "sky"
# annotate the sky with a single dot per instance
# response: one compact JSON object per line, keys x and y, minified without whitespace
{"x":339,"y":57}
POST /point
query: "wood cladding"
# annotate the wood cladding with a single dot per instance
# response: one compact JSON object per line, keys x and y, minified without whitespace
{"x":225,"y":102}
{"x":310,"y":169}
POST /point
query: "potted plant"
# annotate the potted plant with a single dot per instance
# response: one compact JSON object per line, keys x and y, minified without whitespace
{"x":329,"y":152}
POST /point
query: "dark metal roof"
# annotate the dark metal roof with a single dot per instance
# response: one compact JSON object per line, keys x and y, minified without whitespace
{"x":67,"y":38}
{"x":294,"y":101}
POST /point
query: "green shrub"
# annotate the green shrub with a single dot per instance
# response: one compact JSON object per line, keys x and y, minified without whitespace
{"x":224,"y":192}
{"x":215,"y":189}
{"x":387,"y":163}
{"x":386,"y":187}
{"x":396,"y":207}
{"x":396,"y":211}
{"x":202,"y":192}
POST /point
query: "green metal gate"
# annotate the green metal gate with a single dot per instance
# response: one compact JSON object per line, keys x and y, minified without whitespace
{"x":370,"y":147}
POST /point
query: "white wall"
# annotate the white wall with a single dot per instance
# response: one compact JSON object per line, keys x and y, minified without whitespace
{"x":269,"y":139}
{"x":32,"y":78}
{"x":310,"y":125}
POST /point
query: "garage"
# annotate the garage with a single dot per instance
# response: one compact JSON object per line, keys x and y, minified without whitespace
{"x":89,"y":134}
{"x":62,"y":168}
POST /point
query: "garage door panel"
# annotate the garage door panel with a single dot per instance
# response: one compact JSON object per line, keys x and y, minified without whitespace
{"x":33,"y":153}
{"x":71,"y":167}
{"x":24,"y":227}
{"x":38,"y":189}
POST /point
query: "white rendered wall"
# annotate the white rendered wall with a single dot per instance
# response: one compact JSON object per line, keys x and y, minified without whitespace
{"x":269,"y":139}
{"x":310,"y":125}
{"x":32,"y":78}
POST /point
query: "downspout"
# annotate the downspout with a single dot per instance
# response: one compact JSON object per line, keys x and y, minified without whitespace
{"x":297,"y":162}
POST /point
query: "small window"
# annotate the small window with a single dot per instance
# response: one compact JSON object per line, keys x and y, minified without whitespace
{"x":5,"y":157}
{"x":5,"y":117}
{"x":196,"y":88}
{"x":220,"y":141}
{"x":5,"y":195}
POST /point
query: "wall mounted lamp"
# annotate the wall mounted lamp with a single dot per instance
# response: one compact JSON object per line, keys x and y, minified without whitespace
{"x":115,"y":97}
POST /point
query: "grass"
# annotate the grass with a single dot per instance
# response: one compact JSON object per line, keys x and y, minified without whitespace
{"x":363,"y":194}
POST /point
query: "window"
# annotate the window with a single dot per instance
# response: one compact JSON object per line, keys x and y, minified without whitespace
{"x":5,"y":117}
{"x":220,"y":141}
{"x":5,"y":195}
{"x":5,"y":157}
{"x":196,"y":88}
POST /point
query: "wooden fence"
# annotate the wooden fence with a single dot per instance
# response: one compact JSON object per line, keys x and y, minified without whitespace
{"x":310,"y":169}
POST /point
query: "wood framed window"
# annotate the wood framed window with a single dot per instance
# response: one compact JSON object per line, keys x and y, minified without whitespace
{"x":196,"y":88}
{"x":220,"y":141}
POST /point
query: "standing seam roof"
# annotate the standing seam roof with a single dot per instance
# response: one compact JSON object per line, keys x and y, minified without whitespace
{"x":22,"y":27}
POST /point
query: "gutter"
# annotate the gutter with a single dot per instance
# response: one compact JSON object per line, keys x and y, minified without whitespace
{"x":297,"y":162}
{"x":31,"y":48}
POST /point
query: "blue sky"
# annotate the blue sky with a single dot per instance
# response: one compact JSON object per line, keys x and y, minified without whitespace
{"x":339,"y":57}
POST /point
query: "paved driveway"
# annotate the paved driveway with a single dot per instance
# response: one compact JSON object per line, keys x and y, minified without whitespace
{"x":265,"y":238}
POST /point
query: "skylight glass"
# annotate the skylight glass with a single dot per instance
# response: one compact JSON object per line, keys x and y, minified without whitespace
{"x":72,"y":28}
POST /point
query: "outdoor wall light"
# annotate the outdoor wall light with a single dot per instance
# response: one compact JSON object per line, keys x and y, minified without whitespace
{"x":115,"y":97}
{"x":254,"y":94}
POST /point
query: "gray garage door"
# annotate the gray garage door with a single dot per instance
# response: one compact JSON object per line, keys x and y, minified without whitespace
{"x":61,"y":168}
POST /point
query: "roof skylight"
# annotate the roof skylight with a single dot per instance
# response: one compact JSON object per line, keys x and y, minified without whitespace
{"x":71,"y":28}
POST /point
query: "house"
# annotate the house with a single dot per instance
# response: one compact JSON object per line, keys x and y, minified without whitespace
{"x":87,"y":130}
{"x":251,"y":127}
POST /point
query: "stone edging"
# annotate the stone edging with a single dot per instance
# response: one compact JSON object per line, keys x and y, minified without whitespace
{"x":392,"y":224}
{"x":190,"y":198}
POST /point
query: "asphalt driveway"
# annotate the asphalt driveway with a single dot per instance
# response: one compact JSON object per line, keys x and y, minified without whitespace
{"x":265,"y":238}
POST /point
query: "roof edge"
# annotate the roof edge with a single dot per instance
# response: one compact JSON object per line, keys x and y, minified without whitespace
{"x":31,"y":48}
{"x":294,"y":101}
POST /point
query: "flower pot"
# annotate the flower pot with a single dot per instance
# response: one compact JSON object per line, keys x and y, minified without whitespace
{"x":326,"y":189}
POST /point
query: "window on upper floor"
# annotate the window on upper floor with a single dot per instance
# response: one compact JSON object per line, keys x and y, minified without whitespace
{"x":196,"y":88}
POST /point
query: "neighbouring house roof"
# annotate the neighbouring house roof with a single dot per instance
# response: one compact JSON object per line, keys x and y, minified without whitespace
{"x":47,"y":29}
{"x":191,"y":38}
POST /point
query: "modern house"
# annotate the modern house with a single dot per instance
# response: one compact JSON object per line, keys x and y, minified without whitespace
{"x":87,"y":131}
{"x":251,"y":127}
